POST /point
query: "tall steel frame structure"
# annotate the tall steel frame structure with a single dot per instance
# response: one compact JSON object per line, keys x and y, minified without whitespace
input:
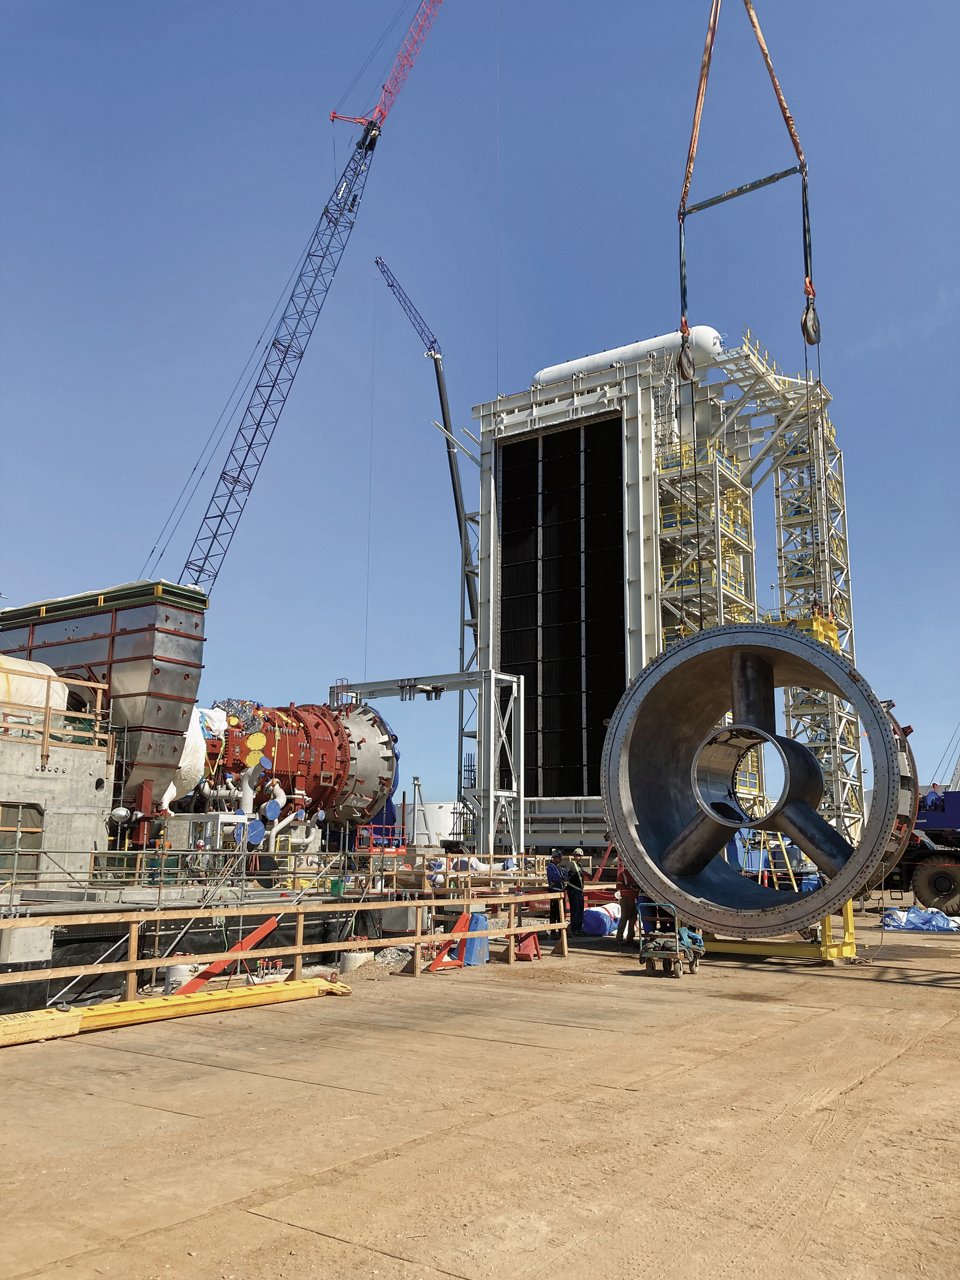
{"x":693,"y":460}
{"x":780,"y":428}
{"x":586,"y":403}
{"x":495,"y":800}
{"x":705,"y":510}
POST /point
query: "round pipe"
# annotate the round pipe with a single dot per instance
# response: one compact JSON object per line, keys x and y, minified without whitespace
{"x":705,"y":345}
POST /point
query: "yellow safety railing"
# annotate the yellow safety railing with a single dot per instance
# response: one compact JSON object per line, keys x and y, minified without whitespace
{"x":674,"y":579}
{"x":675,"y":457}
{"x":821,"y":626}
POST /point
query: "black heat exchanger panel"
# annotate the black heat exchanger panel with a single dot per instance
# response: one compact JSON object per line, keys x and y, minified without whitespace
{"x":560,"y":499}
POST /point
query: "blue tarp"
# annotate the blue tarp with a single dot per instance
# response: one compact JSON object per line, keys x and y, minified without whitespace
{"x":920,"y":920}
{"x":598,"y":923}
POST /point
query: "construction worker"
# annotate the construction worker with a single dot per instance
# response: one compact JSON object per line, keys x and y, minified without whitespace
{"x":575,"y":891}
{"x":933,"y":799}
{"x":628,"y":890}
{"x":556,"y":882}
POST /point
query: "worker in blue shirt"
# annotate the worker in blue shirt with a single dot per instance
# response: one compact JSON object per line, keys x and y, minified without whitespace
{"x":933,"y":799}
{"x":556,"y":882}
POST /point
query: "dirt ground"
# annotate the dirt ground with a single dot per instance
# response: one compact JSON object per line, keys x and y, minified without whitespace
{"x":558,"y":1119}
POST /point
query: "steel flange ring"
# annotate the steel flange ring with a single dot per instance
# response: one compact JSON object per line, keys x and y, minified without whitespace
{"x":670,"y":767}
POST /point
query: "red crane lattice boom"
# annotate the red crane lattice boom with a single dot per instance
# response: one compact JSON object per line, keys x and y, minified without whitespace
{"x":407,"y":56}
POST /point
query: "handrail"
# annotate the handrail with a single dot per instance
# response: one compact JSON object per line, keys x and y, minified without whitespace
{"x":84,"y":730}
{"x":298,"y":911}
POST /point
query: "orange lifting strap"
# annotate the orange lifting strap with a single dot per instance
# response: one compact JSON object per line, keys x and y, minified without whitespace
{"x":810,"y":323}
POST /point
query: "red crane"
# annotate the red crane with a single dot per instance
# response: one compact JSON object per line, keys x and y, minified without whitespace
{"x":402,"y":65}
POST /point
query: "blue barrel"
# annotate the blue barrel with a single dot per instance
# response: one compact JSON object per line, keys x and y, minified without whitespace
{"x":477,"y":950}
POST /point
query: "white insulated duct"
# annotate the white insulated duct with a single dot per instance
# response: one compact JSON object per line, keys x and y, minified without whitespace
{"x":248,"y":785}
{"x":705,"y":343}
{"x":277,"y":793}
{"x":229,"y":791}
{"x":278,"y":827}
{"x":189,"y":772}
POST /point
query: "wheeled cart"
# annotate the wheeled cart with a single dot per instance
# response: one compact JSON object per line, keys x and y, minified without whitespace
{"x":667,"y":942}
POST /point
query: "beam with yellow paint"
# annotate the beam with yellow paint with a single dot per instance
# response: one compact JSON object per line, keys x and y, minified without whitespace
{"x":50,"y":1024}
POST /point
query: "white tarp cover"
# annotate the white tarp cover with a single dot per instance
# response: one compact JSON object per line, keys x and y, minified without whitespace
{"x":20,"y":685}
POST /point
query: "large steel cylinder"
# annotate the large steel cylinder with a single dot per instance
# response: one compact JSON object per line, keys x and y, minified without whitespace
{"x":671,"y":771}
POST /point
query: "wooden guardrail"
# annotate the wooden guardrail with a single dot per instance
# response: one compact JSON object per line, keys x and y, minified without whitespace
{"x":420,"y":940}
{"x":49,"y":725}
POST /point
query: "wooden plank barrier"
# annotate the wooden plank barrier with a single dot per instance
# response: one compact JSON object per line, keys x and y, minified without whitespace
{"x":297,"y":912}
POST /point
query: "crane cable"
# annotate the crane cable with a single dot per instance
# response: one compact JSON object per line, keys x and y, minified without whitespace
{"x":388,"y":30}
{"x":219,"y":430}
{"x":698,"y":105}
{"x":784,"y":109}
{"x":948,"y":755}
{"x":810,"y":324}
{"x":371,"y":452}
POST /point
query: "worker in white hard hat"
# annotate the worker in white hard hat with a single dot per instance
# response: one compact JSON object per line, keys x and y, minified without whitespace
{"x":933,"y":799}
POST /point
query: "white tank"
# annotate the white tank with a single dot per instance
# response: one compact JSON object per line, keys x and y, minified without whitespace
{"x":431,"y":821}
{"x":705,"y":343}
{"x":19,"y":684}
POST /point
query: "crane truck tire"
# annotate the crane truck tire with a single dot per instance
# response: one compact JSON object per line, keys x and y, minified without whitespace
{"x":936,"y":883}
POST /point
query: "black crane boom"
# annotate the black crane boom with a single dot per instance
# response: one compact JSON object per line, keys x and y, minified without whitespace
{"x":429,"y":340}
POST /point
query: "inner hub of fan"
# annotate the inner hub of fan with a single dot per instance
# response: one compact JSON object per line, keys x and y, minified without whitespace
{"x":741,"y":776}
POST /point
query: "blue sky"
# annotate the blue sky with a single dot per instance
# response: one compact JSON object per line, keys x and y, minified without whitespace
{"x":165,"y":163}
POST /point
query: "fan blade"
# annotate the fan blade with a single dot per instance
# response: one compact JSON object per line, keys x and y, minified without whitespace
{"x":824,"y":845}
{"x":751,"y":684}
{"x":696,"y":846}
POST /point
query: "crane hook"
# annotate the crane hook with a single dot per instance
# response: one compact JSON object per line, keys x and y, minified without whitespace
{"x":810,"y":321}
{"x":686,"y":367}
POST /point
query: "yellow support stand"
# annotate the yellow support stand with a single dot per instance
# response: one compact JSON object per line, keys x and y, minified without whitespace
{"x":828,"y":950}
{"x":846,"y":947}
